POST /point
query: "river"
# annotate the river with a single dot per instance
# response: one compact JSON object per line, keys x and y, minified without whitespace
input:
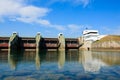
{"x":60,"y":65}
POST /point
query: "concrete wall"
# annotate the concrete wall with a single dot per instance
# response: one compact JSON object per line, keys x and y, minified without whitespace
{"x":86,"y":45}
{"x":14,"y":41}
{"x":61,"y":42}
{"x":38,"y":38}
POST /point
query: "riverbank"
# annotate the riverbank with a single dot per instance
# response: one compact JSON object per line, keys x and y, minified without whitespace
{"x":110,"y":42}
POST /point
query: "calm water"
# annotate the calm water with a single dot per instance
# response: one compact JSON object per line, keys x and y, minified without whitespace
{"x":60,"y":65}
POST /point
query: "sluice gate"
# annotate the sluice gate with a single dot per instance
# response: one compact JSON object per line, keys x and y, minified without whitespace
{"x":38,"y":42}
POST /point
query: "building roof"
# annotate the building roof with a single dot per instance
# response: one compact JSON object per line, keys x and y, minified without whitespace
{"x":88,"y":31}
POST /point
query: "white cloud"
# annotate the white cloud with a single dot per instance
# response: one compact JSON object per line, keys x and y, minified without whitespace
{"x":26,"y":19}
{"x":44,"y":22}
{"x":110,"y":31}
{"x":32,"y":11}
{"x":19,"y":10}
{"x":9,"y":7}
{"x":75,"y":2}
{"x":59,"y":27}
{"x":75,"y":28}
{"x":84,"y":2}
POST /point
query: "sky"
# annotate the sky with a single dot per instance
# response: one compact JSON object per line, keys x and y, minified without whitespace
{"x":51,"y":17}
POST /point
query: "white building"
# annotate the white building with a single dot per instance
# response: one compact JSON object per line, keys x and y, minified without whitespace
{"x":91,"y":35}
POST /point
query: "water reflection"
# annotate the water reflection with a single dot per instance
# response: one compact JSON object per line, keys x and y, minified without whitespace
{"x":89,"y":63}
{"x":12,"y":61}
{"x":93,"y":61}
{"x":40,"y":57}
{"x":109,"y":58}
{"x":51,"y":56}
{"x":59,"y":65}
{"x":61,"y":58}
{"x":13,"y":58}
{"x":37,"y":59}
{"x":72,"y":56}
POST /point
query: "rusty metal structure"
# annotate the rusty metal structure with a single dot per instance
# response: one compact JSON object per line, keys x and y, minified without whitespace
{"x":45,"y":43}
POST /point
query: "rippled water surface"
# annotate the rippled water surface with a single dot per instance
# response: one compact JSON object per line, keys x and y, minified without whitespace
{"x":60,"y":65}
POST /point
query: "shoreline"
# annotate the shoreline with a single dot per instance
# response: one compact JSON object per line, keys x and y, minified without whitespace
{"x":70,"y":50}
{"x":104,"y":49}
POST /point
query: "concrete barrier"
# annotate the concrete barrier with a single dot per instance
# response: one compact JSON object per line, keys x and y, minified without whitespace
{"x":14,"y":41}
{"x":86,"y":45}
{"x":38,"y":38}
{"x":80,"y":42}
{"x":61,"y":42}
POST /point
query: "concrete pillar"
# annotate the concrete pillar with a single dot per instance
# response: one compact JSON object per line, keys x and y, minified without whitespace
{"x":80,"y":42}
{"x":38,"y":38}
{"x":14,"y":41}
{"x":61,"y":42}
{"x":86,"y":45}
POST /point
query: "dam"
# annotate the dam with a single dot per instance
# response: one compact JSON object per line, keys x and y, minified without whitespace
{"x":38,"y":42}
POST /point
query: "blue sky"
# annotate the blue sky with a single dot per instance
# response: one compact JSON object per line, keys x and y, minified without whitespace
{"x":51,"y":17}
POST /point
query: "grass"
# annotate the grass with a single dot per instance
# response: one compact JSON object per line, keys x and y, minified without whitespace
{"x":109,"y":38}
